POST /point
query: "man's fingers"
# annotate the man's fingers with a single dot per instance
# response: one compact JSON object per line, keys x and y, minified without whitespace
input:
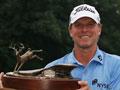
{"x":83,"y":85}
{"x":1,"y":74}
{"x":84,"y":88}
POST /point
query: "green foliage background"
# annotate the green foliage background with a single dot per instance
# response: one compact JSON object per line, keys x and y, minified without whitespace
{"x":42,"y":24}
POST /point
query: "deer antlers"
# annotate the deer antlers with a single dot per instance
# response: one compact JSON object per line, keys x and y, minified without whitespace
{"x":22,"y":58}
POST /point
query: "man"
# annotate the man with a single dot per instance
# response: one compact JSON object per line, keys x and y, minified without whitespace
{"x":96,"y":69}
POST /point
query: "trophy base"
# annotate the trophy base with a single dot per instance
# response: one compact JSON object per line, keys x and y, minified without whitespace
{"x":39,"y":83}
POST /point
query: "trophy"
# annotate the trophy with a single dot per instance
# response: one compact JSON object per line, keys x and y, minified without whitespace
{"x":56,"y":77}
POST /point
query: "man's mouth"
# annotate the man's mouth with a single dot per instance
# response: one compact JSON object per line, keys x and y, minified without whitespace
{"x":84,"y":37}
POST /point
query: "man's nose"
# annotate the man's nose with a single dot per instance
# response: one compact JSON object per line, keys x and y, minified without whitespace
{"x":84,"y":28}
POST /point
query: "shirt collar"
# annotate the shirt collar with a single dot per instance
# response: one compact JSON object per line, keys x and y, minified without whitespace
{"x":98,"y":57}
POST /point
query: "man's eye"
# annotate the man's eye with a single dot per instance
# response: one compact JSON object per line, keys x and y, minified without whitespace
{"x":78,"y":24}
{"x":91,"y":25}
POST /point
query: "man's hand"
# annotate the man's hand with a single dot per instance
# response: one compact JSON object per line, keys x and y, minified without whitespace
{"x":83,"y":85}
{"x":1,"y":74}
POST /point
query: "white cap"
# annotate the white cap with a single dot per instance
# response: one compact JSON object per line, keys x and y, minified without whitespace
{"x":84,"y":10}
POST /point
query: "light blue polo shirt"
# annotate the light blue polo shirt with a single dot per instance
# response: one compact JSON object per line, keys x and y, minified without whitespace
{"x":102,"y":72}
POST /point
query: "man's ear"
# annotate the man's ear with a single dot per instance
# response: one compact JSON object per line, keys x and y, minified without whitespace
{"x":99,"y":33}
{"x":71,"y":35}
{"x":100,"y":29}
{"x":69,"y":29}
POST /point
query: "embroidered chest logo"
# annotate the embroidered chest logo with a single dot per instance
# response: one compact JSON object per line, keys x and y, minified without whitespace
{"x":100,"y":85}
{"x":100,"y":57}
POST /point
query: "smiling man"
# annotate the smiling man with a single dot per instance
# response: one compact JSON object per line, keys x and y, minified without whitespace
{"x":96,"y":69}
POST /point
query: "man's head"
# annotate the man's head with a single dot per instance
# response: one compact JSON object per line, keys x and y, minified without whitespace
{"x":84,"y":26}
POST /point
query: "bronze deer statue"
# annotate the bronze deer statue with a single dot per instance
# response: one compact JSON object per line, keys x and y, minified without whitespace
{"x":22,"y":58}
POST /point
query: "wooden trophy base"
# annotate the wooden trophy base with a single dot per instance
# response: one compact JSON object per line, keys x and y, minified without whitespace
{"x":39,"y":83}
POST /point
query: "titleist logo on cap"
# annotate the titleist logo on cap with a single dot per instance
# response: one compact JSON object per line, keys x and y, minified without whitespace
{"x":82,"y":8}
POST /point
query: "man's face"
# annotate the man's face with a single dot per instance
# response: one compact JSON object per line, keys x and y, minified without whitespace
{"x":85,"y":32}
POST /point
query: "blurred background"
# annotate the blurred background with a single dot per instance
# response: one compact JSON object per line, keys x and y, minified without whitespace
{"x":43,"y":24}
